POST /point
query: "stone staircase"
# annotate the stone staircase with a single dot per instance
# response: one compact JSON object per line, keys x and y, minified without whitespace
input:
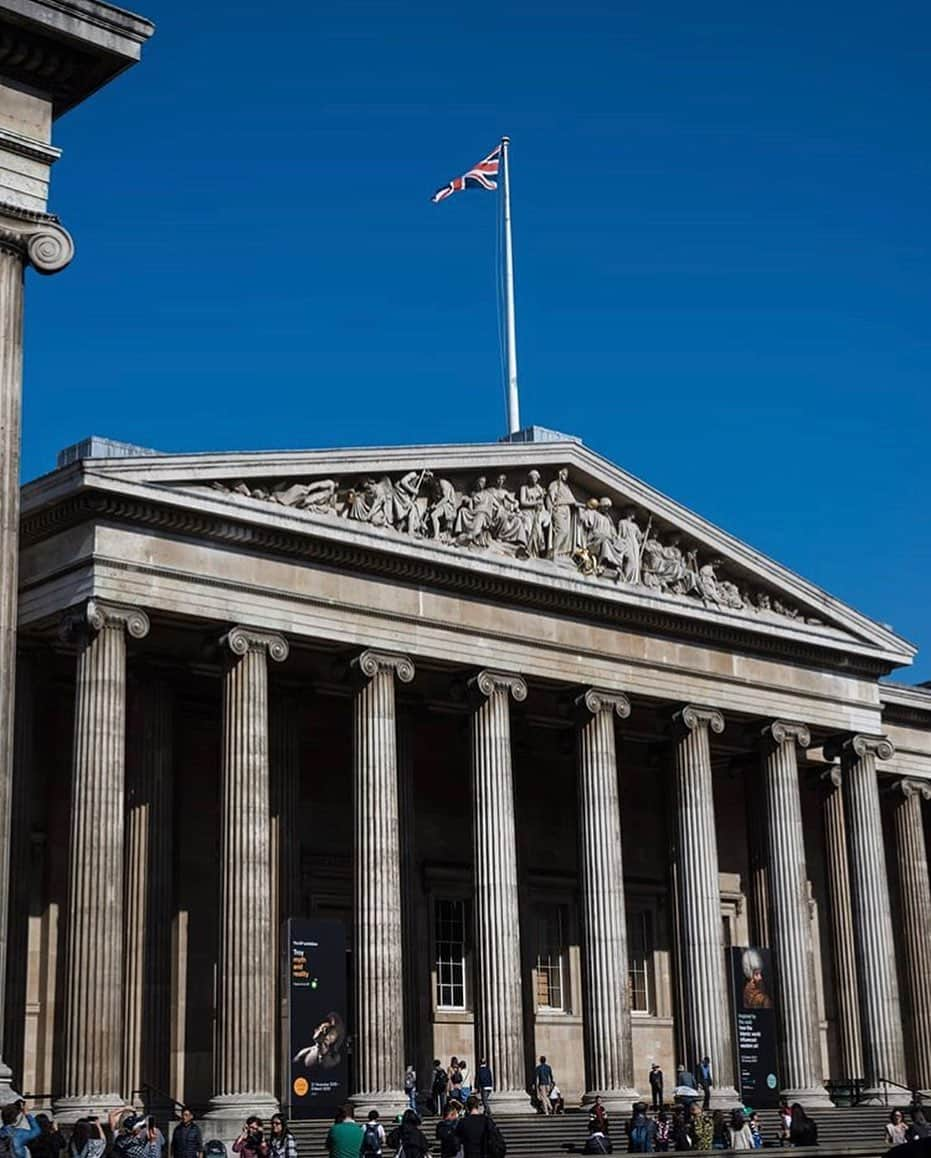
{"x":533,"y":1136}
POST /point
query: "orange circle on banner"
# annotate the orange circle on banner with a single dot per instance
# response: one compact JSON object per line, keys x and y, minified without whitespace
{"x":301,"y":1087}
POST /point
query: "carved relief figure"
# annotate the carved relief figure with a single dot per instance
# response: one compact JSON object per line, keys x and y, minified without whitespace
{"x":535,"y":515}
{"x":630,"y":539}
{"x":476,"y":516}
{"x":372,"y":502}
{"x":599,"y":536}
{"x":407,"y":513}
{"x":561,"y":504}
{"x":317,"y":496}
{"x":441,"y":510}
{"x":509,"y":526}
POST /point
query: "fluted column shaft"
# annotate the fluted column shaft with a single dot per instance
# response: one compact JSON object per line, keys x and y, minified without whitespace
{"x":11,"y":377}
{"x":499,"y":1026}
{"x":609,"y":1062}
{"x":701,"y":949}
{"x":407,"y":827}
{"x":800,"y":1057}
{"x":915,"y":891}
{"x":377,"y":959}
{"x":759,"y":873}
{"x":843,"y":950}
{"x":48,"y":248}
{"x":93,"y":1014}
{"x":285,"y":799}
{"x":148,"y":908}
{"x":244,"y":1044}
{"x":874,"y":935}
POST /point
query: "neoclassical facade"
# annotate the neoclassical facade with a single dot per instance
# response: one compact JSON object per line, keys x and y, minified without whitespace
{"x":547,"y":742}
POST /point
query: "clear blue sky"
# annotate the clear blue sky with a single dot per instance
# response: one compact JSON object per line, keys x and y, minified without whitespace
{"x":722,"y":233}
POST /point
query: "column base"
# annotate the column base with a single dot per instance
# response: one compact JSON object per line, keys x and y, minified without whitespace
{"x":723,"y":1098}
{"x":621,"y":1099}
{"x":388,"y":1103}
{"x":7,"y":1093}
{"x":68,"y":1110}
{"x":509,"y":1103}
{"x":815,"y":1098}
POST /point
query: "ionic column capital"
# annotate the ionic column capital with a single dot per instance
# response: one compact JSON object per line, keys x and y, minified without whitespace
{"x":832,"y":777}
{"x":779,"y":732}
{"x":597,"y":700}
{"x":371,"y":663}
{"x":241,"y":640}
{"x":909,"y":788}
{"x":486,"y":683}
{"x":856,"y":746}
{"x":37,"y":239}
{"x":693,"y":716}
{"x":98,"y":615}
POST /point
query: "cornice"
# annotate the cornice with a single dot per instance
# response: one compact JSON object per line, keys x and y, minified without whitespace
{"x":416,"y":568}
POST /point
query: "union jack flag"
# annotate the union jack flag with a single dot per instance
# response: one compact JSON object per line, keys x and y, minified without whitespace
{"x":479,"y":175}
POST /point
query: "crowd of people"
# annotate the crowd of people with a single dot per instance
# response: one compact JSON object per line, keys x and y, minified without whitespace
{"x":465,"y":1127}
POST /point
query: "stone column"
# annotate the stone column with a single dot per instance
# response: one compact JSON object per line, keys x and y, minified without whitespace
{"x":873,"y":931}
{"x":378,"y":1044}
{"x":799,"y":1046}
{"x":92,"y":1045}
{"x":25,"y":238}
{"x":913,"y":933}
{"x":843,"y":952}
{"x":499,"y":1032}
{"x":609,"y":1061}
{"x":245,"y":1039}
{"x":285,"y":772}
{"x":148,"y":907}
{"x":701,"y":949}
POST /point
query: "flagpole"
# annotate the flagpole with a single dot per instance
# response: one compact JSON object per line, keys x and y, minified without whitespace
{"x":510,"y":328}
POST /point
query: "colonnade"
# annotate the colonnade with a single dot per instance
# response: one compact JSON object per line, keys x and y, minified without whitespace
{"x":99,"y":1002}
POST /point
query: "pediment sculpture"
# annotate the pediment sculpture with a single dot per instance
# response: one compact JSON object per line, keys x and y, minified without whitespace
{"x":549,"y":521}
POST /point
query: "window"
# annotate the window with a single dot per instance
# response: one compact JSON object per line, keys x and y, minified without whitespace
{"x":640,"y":960}
{"x":449,"y":923}
{"x":550,"y":971}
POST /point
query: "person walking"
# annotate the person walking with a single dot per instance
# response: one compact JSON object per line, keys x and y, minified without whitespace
{"x":719,"y":1135}
{"x":478,"y":1135}
{"x":663,"y":1132}
{"x":656,"y":1085}
{"x":408,"y":1137}
{"x":446,"y":1133}
{"x":438,"y":1087}
{"x":896,"y":1129}
{"x":344,"y":1137}
{"x":465,"y":1082}
{"x":641,"y":1131}
{"x":410,"y":1086}
{"x":187,"y":1140}
{"x":701,"y":1128}
{"x":281,"y":1142}
{"x":543,"y":1080}
{"x":804,"y":1130}
{"x":741,"y":1136}
{"x":705,"y":1081}
{"x":485,"y":1081}
{"x":373,"y":1134}
{"x":455,"y":1079}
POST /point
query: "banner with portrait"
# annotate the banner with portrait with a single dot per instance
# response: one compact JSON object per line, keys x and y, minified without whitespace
{"x":316,"y":1033}
{"x":755,"y":1026}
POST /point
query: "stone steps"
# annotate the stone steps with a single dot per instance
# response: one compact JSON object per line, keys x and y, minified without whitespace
{"x":534,"y":1136}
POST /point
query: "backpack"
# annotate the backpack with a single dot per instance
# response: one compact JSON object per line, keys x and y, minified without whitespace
{"x":439,"y":1080}
{"x":6,"y":1143}
{"x":371,"y":1142}
{"x":495,"y":1145}
{"x":640,"y":1140}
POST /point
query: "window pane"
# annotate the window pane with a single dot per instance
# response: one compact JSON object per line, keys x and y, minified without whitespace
{"x":640,"y":959}
{"x":449,"y":925}
{"x":551,"y":953}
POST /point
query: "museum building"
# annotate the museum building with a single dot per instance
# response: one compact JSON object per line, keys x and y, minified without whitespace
{"x":546,"y":742}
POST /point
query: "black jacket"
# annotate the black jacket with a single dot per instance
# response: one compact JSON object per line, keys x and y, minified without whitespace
{"x":186,"y":1141}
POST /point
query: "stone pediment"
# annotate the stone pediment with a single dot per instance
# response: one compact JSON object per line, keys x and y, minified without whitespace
{"x":553,"y":513}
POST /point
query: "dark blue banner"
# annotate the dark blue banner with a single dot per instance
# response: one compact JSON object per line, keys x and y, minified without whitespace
{"x":755,"y":1027}
{"x":315,"y":983}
